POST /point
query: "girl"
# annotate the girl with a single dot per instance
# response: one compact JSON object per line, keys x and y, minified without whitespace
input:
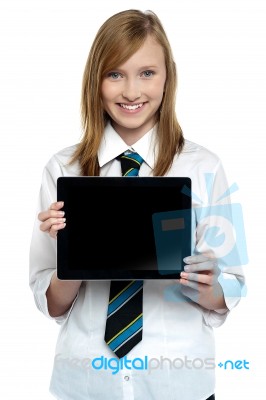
{"x":128,"y":105}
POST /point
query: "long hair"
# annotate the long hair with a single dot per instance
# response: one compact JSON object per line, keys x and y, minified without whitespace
{"x":116,"y":41}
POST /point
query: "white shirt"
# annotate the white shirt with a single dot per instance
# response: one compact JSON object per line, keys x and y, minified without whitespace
{"x":175,"y":359}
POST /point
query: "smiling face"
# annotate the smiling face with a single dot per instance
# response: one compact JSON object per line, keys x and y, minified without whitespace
{"x":132,"y":92}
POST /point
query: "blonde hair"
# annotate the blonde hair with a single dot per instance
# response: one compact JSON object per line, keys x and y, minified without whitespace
{"x":116,"y":41}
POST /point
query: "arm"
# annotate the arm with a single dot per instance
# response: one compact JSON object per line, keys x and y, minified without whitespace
{"x":52,"y":297}
{"x":60,"y":294}
{"x":213,"y":277}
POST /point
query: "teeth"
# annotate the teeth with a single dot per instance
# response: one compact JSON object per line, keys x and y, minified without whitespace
{"x":129,"y":107}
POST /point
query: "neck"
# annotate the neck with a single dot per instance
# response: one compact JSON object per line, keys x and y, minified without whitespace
{"x":131,"y":136}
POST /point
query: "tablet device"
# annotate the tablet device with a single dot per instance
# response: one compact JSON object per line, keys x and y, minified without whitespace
{"x":120,"y":228}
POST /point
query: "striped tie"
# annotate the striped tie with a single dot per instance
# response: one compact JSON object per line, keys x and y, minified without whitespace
{"x":124,"y":316}
{"x":130,"y":164}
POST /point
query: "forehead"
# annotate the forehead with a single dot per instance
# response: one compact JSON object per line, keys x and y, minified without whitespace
{"x":149,"y":54}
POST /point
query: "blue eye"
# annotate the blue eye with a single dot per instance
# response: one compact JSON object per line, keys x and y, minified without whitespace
{"x":114,"y":75}
{"x":148,"y":74}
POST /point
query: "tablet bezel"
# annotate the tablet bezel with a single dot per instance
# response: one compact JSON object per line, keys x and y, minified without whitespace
{"x":67,"y":185}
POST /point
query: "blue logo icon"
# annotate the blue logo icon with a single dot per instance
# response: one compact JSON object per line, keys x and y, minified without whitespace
{"x":217,"y":232}
{"x":225,"y":234}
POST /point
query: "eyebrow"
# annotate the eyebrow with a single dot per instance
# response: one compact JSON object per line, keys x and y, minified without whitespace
{"x":145,"y":67}
{"x":149,"y":67}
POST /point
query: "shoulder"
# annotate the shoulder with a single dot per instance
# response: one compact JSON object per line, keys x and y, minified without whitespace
{"x":64,"y":156}
{"x":195,"y":161}
{"x":199,"y":153}
{"x":192,"y":147}
{"x":60,"y":162}
{"x":204,"y":167}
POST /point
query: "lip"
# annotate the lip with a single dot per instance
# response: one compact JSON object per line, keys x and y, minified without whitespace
{"x":136,"y":111}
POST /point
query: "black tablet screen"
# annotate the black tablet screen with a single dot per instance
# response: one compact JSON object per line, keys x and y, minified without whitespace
{"x":123,"y":228}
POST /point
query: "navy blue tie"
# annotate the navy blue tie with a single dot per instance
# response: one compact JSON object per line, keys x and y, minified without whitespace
{"x":124,"y":316}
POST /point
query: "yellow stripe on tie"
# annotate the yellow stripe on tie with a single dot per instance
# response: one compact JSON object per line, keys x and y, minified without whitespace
{"x":124,"y":329}
{"x":118,"y":294}
{"x":131,"y":159}
{"x":131,"y":169}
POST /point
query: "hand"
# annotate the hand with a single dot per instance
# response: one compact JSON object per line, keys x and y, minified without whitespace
{"x":53,"y":219}
{"x":200,"y":282}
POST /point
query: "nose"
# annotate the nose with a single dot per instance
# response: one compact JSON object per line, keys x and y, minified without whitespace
{"x":131,"y":90}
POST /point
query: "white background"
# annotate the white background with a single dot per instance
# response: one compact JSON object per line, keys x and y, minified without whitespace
{"x":219,"y":48}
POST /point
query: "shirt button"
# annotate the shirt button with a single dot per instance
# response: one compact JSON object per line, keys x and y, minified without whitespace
{"x":126,"y":378}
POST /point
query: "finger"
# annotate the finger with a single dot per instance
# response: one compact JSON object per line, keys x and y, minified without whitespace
{"x":57,"y":205}
{"x":190,"y":284}
{"x":49,"y":223}
{"x":200,"y":278}
{"x":209,"y":265}
{"x":55,"y":228}
{"x":45,"y":215}
{"x":195,"y":259}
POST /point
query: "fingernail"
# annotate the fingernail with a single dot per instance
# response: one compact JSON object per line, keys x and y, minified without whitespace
{"x":186,"y":268}
{"x":61,"y":213}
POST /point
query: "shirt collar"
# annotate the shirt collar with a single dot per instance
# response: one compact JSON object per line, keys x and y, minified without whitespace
{"x":112,"y":145}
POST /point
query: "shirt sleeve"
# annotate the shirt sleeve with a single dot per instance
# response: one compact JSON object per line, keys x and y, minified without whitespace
{"x":216,"y":236}
{"x":43,"y":248}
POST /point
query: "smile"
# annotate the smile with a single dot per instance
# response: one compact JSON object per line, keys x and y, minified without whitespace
{"x":131,"y":106}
